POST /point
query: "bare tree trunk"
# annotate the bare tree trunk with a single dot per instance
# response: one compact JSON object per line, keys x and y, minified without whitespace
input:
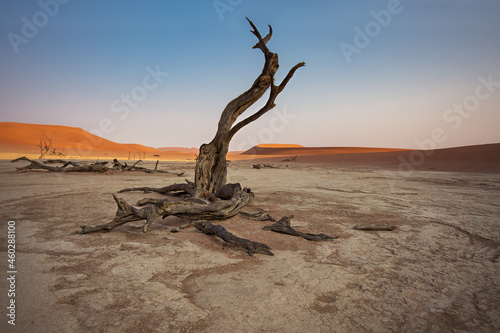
{"x":211,"y":166}
{"x":224,"y":200}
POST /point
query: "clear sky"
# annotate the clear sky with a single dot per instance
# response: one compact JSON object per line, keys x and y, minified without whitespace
{"x":399,"y":74}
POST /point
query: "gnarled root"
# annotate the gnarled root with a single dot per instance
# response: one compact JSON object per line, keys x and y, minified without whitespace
{"x":283,"y":226}
{"x":190,"y":208}
{"x":251,"y":247}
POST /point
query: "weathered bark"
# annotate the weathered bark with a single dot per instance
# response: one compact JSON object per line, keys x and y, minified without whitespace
{"x":209,"y":197}
{"x":170,"y":189}
{"x":117,"y":165}
{"x":258,"y":216}
{"x":191,"y":209}
{"x":251,"y":247}
{"x":284,"y":226}
{"x":76,"y":167}
{"x":211,"y":164}
{"x":264,"y":166}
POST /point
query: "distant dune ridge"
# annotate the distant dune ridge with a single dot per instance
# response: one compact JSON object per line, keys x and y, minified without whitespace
{"x":72,"y":141}
{"x":274,"y":149}
{"x":21,"y":139}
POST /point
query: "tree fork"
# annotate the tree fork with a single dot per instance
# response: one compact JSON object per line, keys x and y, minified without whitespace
{"x":211,"y":164}
{"x":209,"y":197}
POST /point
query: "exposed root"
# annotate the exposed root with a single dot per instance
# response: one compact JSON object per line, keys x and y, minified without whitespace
{"x":283,"y":226}
{"x":251,"y":247}
{"x":190,"y":208}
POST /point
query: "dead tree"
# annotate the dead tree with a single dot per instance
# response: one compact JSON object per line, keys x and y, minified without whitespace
{"x":44,"y":147}
{"x":70,"y":166}
{"x":67,"y":166}
{"x":211,"y":166}
{"x":209,"y":197}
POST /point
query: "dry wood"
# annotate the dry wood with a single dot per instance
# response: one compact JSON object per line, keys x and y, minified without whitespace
{"x":258,"y":216}
{"x":211,"y":164}
{"x":170,"y":189}
{"x":251,"y":247}
{"x":284,"y":226}
{"x":263,"y":166}
{"x":195,"y":209}
{"x":209,"y":197}
{"x":77,"y":167}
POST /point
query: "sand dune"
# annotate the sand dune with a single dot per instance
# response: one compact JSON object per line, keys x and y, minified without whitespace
{"x":22,"y":139}
{"x":279,"y":145}
{"x":478,"y":158}
{"x":301,"y":150}
{"x":74,"y":142}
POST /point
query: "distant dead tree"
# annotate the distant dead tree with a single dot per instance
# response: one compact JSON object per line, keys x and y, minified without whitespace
{"x":44,"y":147}
{"x":209,"y":197}
{"x":290,"y":159}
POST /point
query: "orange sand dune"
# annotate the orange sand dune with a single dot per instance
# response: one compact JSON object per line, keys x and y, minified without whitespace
{"x":292,"y":150}
{"x":478,"y":158}
{"x":19,"y":138}
{"x":279,"y":145}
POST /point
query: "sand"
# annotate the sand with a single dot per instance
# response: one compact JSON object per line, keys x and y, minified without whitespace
{"x":437,"y":272}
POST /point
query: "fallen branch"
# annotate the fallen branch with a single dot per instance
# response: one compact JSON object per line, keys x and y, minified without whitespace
{"x":263,"y":166}
{"x":77,"y":167}
{"x":251,"y":247}
{"x":258,"y":216}
{"x":283,"y":226}
{"x":117,"y":165}
{"x":170,"y":189}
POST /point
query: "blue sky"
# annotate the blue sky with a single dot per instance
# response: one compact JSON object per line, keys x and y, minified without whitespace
{"x":405,"y":74}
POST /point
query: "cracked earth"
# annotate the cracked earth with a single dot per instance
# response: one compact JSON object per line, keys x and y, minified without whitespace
{"x":438,"y":271}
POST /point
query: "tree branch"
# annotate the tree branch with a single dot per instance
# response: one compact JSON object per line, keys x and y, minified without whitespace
{"x":275,"y":91}
{"x":262,"y":41}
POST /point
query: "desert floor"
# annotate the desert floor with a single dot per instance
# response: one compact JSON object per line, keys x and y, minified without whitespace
{"x":438,"y":271}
